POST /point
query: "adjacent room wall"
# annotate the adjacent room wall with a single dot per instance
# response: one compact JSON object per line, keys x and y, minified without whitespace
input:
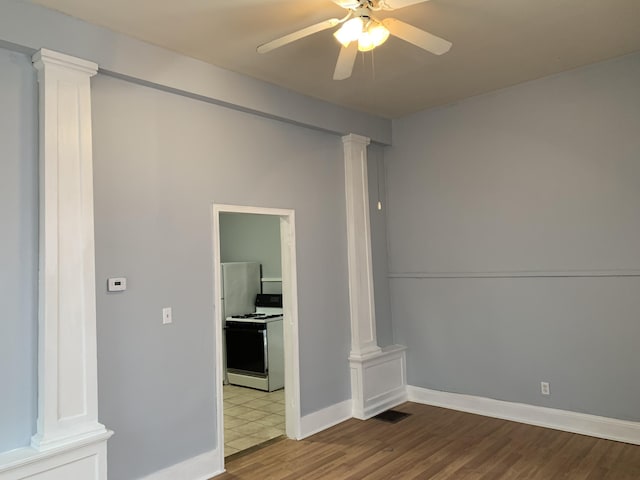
{"x":246,"y":237}
{"x":18,"y":249}
{"x":522,"y":185}
{"x":160,"y":161}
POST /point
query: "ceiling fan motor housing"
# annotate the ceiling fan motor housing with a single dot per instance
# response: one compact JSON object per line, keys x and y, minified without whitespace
{"x":356,"y":5}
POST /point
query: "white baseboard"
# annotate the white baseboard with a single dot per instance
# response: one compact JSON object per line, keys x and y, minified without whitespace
{"x":584,"y":424}
{"x":322,"y":419}
{"x":382,"y":403}
{"x":200,"y":467}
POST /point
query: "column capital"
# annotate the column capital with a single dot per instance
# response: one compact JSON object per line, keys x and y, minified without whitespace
{"x":357,"y":139}
{"x":44,"y":58}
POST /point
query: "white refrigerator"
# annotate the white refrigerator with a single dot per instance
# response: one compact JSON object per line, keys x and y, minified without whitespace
{"x":241,"y":283}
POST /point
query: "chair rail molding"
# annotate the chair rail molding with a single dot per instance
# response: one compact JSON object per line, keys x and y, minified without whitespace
{"x":378,"y":379}
{"x":67,"y":355}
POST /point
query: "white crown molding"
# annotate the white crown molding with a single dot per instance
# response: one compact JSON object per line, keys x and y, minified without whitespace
{"x":581,"y":423}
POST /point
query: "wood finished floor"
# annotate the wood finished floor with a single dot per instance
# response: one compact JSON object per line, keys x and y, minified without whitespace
{"x":438,"y":444}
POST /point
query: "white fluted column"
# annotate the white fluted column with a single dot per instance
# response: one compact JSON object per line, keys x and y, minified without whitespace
{"x":378,"y":378}
{"x":361,"y":295}
{"x":67,"y":364}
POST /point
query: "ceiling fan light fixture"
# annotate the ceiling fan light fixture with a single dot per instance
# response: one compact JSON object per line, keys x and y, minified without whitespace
{"x":350,"y":31}
{"x":373,"y":36}
{"x":365,"y":42}
{"x":378,"y":33}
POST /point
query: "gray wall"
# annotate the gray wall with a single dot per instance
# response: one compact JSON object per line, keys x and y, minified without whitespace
{"x":377,"y":187}
{"x":18,"y":249}
{"x":541,"y":177}
{"x":253,"y":238}
{"x":160,"y":161}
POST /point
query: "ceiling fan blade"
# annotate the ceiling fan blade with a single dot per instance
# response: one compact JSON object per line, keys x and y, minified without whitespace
{"x":419,"y":38}
{"x":292,"y":37}
{"x":346,"y":60}
{"x":395,"y":4}
{"x":348,"y":3}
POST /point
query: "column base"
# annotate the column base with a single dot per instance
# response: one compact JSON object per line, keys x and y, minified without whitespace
{"x":85,"y":459}
{"x":69,"y":436}
{"x":378,"y":381}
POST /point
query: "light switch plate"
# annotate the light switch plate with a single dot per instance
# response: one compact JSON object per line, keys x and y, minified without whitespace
{"x":166,"y":315}
{"x":118,"y":284}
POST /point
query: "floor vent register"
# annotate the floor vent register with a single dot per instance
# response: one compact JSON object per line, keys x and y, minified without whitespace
{"x":391,"y":416}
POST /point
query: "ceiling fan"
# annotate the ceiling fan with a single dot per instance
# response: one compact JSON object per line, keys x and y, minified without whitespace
{"x":362,"y":31}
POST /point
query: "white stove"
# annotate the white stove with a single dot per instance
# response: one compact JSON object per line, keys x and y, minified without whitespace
{"x":255,"y":345}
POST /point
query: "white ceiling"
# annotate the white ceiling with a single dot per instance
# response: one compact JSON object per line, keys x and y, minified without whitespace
{"x":496,"y":43}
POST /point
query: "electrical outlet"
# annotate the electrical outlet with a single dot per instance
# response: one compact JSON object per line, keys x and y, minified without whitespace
{"x":544,"y":388}
{"x":116,"y":284}
{"x":166,"y":315}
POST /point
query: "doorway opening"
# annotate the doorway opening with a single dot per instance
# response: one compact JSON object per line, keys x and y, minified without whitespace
{"x":260,"y":341}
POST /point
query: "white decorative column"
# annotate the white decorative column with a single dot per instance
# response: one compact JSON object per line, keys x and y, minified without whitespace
{"x":363,"y":315}
{"x":67,"y":370}
{"x":378,"y":379}
{"x":70,"y":442}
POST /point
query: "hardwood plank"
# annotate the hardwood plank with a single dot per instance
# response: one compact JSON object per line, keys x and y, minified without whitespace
{"x":439,"y":444}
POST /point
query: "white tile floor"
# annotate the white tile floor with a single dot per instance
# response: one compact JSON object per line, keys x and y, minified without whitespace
{"x":251,"y":417}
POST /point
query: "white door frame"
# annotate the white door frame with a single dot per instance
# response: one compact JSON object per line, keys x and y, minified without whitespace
{"x":290,"y":307}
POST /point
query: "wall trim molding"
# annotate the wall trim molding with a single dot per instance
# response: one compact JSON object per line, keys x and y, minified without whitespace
{"x":519,"y":274}
{"x":326,"y":418}
{"x":574,"y":422}
{"x":200,"y":467}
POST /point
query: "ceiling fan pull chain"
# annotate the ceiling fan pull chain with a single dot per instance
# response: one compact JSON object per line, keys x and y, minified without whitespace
{"x":379,"y":173}
{"x":373,"y":65}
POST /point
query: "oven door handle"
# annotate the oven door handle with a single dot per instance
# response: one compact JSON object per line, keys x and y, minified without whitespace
{"x":265,"y":351}
{"x":246,"y":327}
